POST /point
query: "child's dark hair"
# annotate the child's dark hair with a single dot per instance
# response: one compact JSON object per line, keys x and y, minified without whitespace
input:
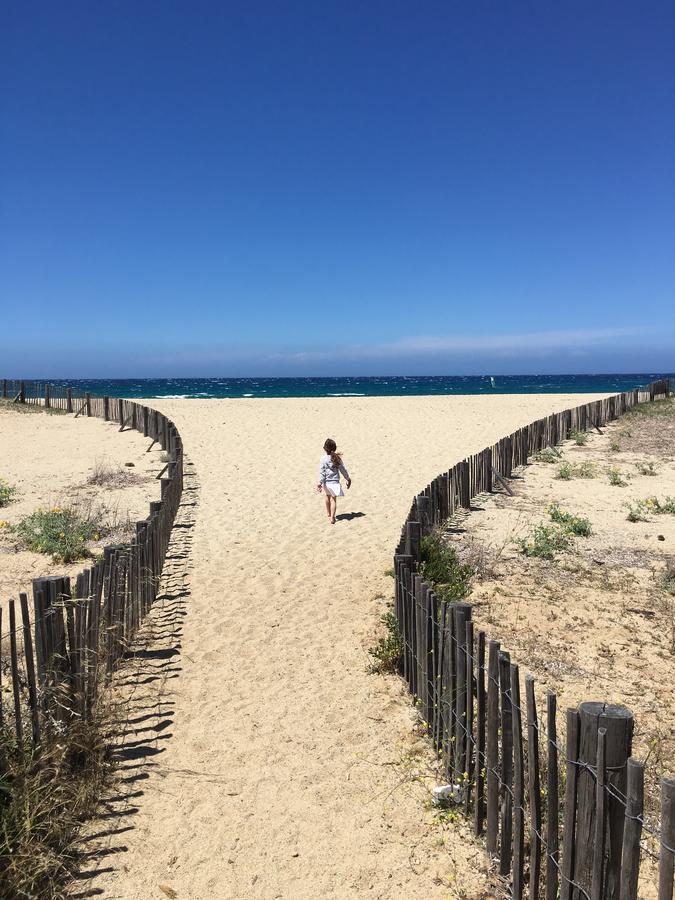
{"x":331,"y":448}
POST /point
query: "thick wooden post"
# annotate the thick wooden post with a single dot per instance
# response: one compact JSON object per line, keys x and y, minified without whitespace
{"x":48,"y":396}
{"x":667,"y":858}
{"x":87,"y":398}
{"x":618,"y":724}
{"x":69,"y":400}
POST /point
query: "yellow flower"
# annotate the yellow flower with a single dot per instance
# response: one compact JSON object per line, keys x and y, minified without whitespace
{"x":61,"y":534}
{"x":55,"y":509}
{"x":2,"y":524}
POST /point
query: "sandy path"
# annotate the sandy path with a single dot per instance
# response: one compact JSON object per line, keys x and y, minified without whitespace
{"x":279,"y":777}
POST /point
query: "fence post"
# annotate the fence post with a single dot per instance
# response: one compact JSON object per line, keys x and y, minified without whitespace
{"x":424,"y":512}
{"x":618,"y":724}
{"x":412,"y":540}
{"x":492,"y":747}
{"x":464,"y":490}
{"x":630,"y":857}
{"x":69,"y":400}
{"x":4,"y":388}
{"x":48,"y":401}
{"x":667,"y":858}
{"x":87,"y":398}
{"x":22,"y":392}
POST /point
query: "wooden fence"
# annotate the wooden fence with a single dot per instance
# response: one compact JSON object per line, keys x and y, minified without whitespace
{"x":506,"y":767}
{"x":61,"y":654}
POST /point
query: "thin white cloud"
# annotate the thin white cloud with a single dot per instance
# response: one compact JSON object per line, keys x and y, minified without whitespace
{"x":574,"y":340}
{"x":534,"y":343}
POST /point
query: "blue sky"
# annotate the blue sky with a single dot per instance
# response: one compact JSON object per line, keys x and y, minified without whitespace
{"x":336,"y":188}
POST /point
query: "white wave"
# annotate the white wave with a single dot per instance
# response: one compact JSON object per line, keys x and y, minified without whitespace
{"x":345,"y":395}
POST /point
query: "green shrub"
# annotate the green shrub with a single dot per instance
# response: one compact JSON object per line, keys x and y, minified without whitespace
{"x":548,"y":455}
{"x":615,"y":477}
{"x":441,"y":569}
{"x":6,"y":492}
{"x":580,"y":438}
{"x":570,"y":523}
{"x":615,"y":446}
{"x":666,"y":580}
{"x":637,"y":511}
{"x":545,"y":541}
{"x":568,"y":470}
{"x":388,"y":652}
{"x":61,"y":533}
{"x":646,"y":468}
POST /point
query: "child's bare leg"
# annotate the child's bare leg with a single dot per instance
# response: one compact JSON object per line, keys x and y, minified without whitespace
{"x":328,"y":499}
{"x":333,"y":509}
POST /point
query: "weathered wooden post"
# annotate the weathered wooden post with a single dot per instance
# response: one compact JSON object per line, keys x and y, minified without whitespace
{"x":632,"y":829}
{"x":492,"y":747}
{"x":424,"y":512}
{"x":106,"y":409}
{"x":69,"y":400}
{"x":4,"y":388}
{"x":617,"y":721}
{"x":464,"y":490}
{"x":48,"y":401}
{"x":667,"y":858}
{"x":413,"y":537}
{"x":22,"y":392}
{"x":87,"y":398}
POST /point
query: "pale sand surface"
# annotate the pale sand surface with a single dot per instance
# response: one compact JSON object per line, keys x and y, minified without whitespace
{"x":275,"y":765}
{"x":48,"y":458}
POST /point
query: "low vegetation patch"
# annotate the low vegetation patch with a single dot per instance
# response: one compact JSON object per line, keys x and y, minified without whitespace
{"x":640,"y":510}
{"x":548,"y":455}
{"x":615,"y":477}
{"x":572,"y":524}
{"x":614,"y":446}
{"x":544,"y":541}
{"x":442,"y":570}
{"x":60,"y":533}
{"x":7,"y":492}
{"x":105,"y":474}
{"x":580,"y":438}
{"x":43,"y":801}
{"x":646,"y":468}
{"x":566,"y":470}
{"x":388,"y":652}
{"x":666,"y":580}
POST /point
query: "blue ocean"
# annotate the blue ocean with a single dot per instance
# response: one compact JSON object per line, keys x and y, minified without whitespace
{"x":380,"y":386}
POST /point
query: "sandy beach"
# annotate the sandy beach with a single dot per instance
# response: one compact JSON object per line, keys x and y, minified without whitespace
{"x":276,"y":765}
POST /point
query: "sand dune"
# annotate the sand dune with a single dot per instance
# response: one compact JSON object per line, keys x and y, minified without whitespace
{"x":287,"y":769}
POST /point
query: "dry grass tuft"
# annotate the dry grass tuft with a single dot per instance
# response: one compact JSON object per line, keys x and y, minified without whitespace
{"x":44,"y":798}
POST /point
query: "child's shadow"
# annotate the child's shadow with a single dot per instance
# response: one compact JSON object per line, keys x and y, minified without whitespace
{"x":347,"y":517}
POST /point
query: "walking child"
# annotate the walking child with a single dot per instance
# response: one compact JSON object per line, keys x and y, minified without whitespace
{"x":330,"y":469}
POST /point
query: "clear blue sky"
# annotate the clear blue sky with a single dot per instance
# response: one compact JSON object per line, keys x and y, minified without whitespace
{"x":326,"y":188}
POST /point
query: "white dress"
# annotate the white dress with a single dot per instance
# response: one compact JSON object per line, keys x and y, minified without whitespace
{"x":329,"y":476}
